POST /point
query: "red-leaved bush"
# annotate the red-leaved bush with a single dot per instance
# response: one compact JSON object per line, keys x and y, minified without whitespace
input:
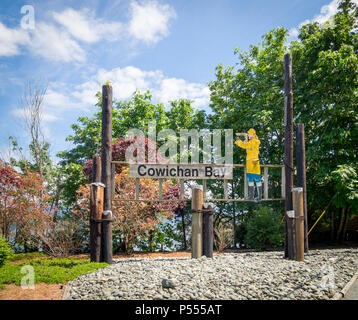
{"x":119,"y":148}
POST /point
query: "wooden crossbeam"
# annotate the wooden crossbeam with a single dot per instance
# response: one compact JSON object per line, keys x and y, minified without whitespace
{"x":208,"y":200}
{"x":235,"y":165}
{"x":226,"y":181}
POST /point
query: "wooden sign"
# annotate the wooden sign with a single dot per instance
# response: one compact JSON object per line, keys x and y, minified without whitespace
{"x":181,"y":171}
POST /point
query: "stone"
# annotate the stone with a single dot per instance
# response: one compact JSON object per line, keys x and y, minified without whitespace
{"x":168,"y":283}
{"x":258,"y":275}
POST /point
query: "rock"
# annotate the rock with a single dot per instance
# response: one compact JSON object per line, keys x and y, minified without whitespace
{"x":168,"y":283}
{"x":257,"y":275}
{"x":117,"y":293}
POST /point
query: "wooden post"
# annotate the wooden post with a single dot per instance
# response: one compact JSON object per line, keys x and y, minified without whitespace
{"x":160,"y":181}
{"x":208,"y":231}
{"x":301,"y":173}
{"x":297,"y":199}
{"x":288,"y":122}
{"x":96,"y":168}
{"x":204,"y":190}
{"x":196,"y":222}
{"x":113,"y":181}
{"x":283,"y":183}
{"x":225,"y":190}
{"x":246,"y":191}
{"x":106,"y":172}
{"x":137,"y":188}
{"x":96,"y":209}
{"x":265,"y":182}
{"x":181,"y":189}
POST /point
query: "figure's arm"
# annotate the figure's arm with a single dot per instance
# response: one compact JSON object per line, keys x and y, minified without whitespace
{"x":239,"y":142}
{"x":243,"y":144}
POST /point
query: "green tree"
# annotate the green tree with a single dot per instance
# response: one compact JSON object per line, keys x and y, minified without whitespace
{"x":325,"y":75}
{"x":264,"y":229}
{"x":246,"y":96}
{"x":136,"y":112}
{"x":325,"y":78}
{"x":5,"y":251}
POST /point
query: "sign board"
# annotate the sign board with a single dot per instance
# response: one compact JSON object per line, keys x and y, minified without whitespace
{"x":181,"y":171}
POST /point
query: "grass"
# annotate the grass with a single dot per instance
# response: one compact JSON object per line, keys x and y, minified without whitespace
{"x":27,"y":256}
{"x":52,"y":270}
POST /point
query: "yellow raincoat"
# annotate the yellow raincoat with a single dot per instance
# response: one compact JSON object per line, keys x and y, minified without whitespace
{"x":252,"y":154}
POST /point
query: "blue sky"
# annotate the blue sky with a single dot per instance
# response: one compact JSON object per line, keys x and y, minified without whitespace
{"x":170,"y":47}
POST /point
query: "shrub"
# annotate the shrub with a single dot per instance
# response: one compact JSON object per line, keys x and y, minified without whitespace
{"x":27,"y":256}
{"x":5,"y":251}
{"x":223,"y":237}
{"x":60,"y":239}
{"x":264,"y":229}
{"x":240,"y":233}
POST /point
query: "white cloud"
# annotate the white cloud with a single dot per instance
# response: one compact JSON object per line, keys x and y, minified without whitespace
{"x":54,"y":44}
{"x":149,"y":21}
{"x":11,"y":39}
{"x":326,"y":13}
{"x":60,"y":101}
{"x":86,"y":93}
{"x":173,"y":88}
{"x":59,"y":42}
{"x":126,"y":80}
{"x":56,"y":103}
{"x":45,"y":40}
{"x":46,"y":117}
{"x":83,"y":26}
{"x":293,"y":33}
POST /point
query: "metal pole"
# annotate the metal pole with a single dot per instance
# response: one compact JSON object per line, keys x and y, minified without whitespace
{"x":289,"y":223}
{"x":301,"y":173}
{"x":196,"y":222}
{"x":208,"y":231}
{"x":106,"y":172}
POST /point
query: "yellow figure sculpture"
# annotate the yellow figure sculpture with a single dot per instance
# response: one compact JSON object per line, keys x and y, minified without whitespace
{"x":252,"y":145}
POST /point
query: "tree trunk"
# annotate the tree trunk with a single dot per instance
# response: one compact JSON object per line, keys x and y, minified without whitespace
{"x":332,"y":225}
{"x":341,"y":220}
{"x":26,"y":249}
{"x":151,"y":240}
{"x":57,"y":197}
{"x":123,"y":246}
{"x":234,"y":223}
{"x":345,"y":224}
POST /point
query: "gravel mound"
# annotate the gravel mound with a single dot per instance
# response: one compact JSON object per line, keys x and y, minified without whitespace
{"x":239,"y":276}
